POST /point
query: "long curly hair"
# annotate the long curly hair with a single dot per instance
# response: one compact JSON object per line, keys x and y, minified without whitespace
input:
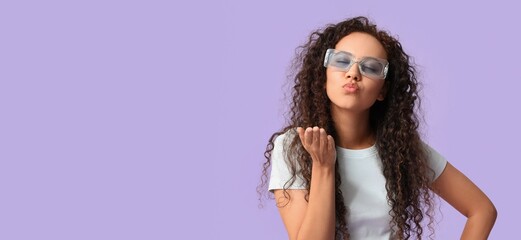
{"x":394,"y":120}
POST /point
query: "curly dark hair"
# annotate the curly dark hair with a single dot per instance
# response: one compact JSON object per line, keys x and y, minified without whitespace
{"x":395,"y":122}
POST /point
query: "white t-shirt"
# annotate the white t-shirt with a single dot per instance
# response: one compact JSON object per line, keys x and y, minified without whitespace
{"x":363,"y":186}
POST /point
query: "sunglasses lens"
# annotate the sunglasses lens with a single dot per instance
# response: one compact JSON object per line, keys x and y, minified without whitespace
{"x":372,"y":67}
{"x":341,"y":60}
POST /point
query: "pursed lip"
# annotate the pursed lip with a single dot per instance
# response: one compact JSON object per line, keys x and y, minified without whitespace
{"x":350,"y":87}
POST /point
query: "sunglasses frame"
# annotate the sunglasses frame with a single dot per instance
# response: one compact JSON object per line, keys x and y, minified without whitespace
{"x":330,"y":52}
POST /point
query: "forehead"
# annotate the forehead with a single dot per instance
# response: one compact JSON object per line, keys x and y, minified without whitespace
{"x":361,"y":45}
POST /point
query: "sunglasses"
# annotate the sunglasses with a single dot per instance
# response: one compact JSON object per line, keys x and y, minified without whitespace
{"x":375,"y":68}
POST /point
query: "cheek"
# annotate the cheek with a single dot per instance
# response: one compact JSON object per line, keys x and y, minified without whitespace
{"x":330,"y":87}
{"x":375,"y":87}
{"x":333,"y":79}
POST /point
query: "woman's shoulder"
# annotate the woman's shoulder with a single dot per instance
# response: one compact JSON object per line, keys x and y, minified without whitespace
{"x":436,"y":161}
{"x":286,"y":136}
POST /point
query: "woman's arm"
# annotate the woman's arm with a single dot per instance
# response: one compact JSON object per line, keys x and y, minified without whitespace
{"x":315,"y":219}
{"x":469,"y":200}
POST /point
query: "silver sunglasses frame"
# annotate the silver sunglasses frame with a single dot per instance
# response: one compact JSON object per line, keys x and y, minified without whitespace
{"x":332,"y":51}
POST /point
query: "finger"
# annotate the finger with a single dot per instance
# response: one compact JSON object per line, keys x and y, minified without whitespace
{"x":308,"y":136}
{"x":316,"y":136}
{"x":331,"y":142}
{"x":300,"y":132}
{"x":323,"y":139}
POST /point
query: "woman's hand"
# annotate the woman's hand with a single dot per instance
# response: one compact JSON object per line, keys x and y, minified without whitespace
{"x":319,"y":145}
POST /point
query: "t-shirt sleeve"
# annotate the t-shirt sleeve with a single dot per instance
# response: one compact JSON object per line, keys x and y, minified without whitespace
{"x":436,"y":162}
{"x":280,"y":172}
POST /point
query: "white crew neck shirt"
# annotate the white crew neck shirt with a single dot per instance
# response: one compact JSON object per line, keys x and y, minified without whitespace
{"x":363,"y":186}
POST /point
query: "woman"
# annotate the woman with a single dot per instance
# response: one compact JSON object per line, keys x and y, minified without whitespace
{"x":350,"y":164}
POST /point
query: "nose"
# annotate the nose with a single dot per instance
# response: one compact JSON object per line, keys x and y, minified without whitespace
{"x":353,"y":73}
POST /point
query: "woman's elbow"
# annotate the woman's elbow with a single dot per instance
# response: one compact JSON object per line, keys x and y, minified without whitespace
{"x":488,"y":211}
{"x":492,"y":211}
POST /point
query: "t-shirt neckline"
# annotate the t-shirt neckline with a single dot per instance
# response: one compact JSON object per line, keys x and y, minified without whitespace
{"x":356,"y":153}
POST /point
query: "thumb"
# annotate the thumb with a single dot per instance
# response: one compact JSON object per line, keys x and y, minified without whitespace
{"x":301,"y":134}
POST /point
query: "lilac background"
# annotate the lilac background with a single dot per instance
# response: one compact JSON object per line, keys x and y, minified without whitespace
{"x":149,"y":119}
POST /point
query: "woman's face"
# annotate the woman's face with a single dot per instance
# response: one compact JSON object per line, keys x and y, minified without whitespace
{"x":352,"y":90}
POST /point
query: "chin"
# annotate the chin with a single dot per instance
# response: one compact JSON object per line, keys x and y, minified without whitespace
{"x":349,"y":106}
{"x":345,"y":106}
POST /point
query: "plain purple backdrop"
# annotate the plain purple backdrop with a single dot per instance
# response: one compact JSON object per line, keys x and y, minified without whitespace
{"x":149,"y":119}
